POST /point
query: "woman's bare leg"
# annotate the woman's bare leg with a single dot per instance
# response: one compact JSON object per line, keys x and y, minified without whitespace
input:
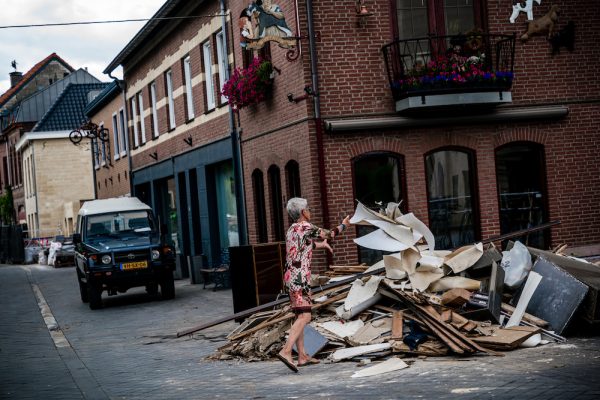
{"x":296,"y":331}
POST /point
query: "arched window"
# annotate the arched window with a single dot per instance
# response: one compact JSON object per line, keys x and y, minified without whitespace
{"x":452,"y":199}
{"x":521,"y":179}
{"x":292,"y":174}
{"x":276,"y":202}
{"x":258,"y":187}
{"x":379,"y":178}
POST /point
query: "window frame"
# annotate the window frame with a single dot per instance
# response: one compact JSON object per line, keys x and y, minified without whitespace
{"x":116,"y":144}
{"x":140,"y":102}
{"x":170,"y":99}
{"x":154,"y":120}
{"x":260,"y":215}
{"x":274,"y":179}
{"x":543,"y":180}
{"x":436,"y":17}
{"x":209,"y":85}
{"x":474,"y":185}
{"x":134,"y":119}
{"x":123,"y":132}
{"x":223,"y":61}
{"x":189,"y":95}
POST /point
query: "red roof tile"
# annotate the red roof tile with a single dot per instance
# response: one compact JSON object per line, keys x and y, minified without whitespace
{"x":30,"y":74}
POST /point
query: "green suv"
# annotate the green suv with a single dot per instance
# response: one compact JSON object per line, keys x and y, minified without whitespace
{"x":118,"y":246}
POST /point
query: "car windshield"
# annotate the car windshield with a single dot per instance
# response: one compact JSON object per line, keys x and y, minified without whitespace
{"x":137,"y":222}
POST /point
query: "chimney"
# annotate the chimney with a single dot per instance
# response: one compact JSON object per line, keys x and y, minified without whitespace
{"x":15,"y":77}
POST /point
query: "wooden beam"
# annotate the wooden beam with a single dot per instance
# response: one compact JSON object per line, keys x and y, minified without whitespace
{"x":247,"y":313}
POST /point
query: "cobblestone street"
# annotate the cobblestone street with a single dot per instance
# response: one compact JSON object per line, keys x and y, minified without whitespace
{"x":129,"y":350}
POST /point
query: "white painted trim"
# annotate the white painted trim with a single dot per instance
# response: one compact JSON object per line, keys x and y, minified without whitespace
{"x":31,"y":136}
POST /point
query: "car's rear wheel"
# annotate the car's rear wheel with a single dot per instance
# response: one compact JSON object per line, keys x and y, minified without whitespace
{"x":167,"y":286}
{"x":94,"y":295}
{"x":83,"y":291}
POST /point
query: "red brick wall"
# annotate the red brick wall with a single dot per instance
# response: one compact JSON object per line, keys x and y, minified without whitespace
{"x":353,"y":83}
{"x":150,"y":66}
{"x":112,"y":180}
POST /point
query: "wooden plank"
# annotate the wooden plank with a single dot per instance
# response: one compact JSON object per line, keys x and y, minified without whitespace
{"x":509,"y":338}
{"x":397,"y":325}
{"x":247,"y":313}
{"x":532,"y":319}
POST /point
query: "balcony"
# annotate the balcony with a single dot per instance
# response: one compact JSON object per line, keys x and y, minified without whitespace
{"x":450,"y":72}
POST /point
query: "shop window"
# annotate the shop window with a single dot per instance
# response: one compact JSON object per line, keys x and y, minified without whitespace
{"x":276,"y":202}
{"x":226,"y":210}
{"x":378,"y":179}
{"x":292,"y":174}
{"x":453,"y":212}
{"x":258,"y":187}
{"x":521,"y":180}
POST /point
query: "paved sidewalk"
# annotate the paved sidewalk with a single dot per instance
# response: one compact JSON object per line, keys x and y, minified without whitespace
{"x":129,"y":350}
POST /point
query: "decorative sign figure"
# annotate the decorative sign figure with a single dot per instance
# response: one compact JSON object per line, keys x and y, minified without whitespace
{"x":269,"y":25}
{"x":543,"y":25}
{"x":518,"y":8}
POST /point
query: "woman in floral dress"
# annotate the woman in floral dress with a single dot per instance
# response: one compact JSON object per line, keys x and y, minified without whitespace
{"x":301,"y":239}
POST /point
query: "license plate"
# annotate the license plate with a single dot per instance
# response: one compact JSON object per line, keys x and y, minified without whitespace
{"x":134,"y":265}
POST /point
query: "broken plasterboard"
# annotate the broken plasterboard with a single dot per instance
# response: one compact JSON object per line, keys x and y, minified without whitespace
{"x":351,"y":352}
{"x":342,"y":329}
{"x":379,"y":240}
{"x":389,"y":365}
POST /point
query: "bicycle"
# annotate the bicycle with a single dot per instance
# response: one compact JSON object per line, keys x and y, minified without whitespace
{"x":90,"y":130}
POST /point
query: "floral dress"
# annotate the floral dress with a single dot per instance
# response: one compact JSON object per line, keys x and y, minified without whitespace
{"x":299,"y":248}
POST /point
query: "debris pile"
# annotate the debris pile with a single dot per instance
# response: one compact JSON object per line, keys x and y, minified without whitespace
{"x":419,"y":301}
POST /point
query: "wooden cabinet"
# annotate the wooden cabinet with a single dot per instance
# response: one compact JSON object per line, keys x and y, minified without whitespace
{"x":256,"y":274}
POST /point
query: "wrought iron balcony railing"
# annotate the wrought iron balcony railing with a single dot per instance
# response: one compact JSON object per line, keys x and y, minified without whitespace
{"x":474,"y":62}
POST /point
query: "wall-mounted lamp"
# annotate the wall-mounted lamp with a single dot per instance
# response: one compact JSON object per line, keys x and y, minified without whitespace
{"x":154,"y":156}
{"x":188,"y":140}
{"x":308,"y":92}
{"x":362,"y":12}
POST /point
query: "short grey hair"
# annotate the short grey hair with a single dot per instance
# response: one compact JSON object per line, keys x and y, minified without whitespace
{"x":295,"y":205}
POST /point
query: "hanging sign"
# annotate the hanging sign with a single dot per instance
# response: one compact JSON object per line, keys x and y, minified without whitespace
{"x":264,"y":22}
{"x":518,"y":9}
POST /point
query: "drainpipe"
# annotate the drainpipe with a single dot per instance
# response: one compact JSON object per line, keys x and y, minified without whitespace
{"x":235,"y":145}
{"x":317,"y":117}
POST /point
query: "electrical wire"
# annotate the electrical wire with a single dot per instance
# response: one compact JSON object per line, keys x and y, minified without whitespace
{"x":110,"y":21}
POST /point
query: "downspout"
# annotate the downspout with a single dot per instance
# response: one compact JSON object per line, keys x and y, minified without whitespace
{"x":317,"y":117}
{"x":235,"y":145}
{"x":123,"y":86}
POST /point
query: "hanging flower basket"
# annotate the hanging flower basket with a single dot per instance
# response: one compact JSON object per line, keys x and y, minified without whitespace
{"x":249,"y":85}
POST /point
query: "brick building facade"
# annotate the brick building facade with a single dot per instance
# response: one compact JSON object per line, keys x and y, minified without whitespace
{"x":179,"y":129}
{"x":469,"y":172}
{"x":110,"y":156}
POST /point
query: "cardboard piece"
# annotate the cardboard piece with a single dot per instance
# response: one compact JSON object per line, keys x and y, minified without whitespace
{"x":371,"y":331}
{"x":389,"y":365}
{"x":455,"y":282}
{"x":401,"y":233}
{"x":463,"y":258}
{"x":507,"y":338}
{"x":397,"y":325}
{"x":455,"y":298}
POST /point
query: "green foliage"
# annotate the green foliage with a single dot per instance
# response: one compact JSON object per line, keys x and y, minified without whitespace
{"x":7,"y":207}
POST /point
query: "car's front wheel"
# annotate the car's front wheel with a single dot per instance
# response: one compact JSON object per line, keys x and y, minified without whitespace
{"x":94,"y":295}
{"x":167,"y":285}
{"x":83,"y":290}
